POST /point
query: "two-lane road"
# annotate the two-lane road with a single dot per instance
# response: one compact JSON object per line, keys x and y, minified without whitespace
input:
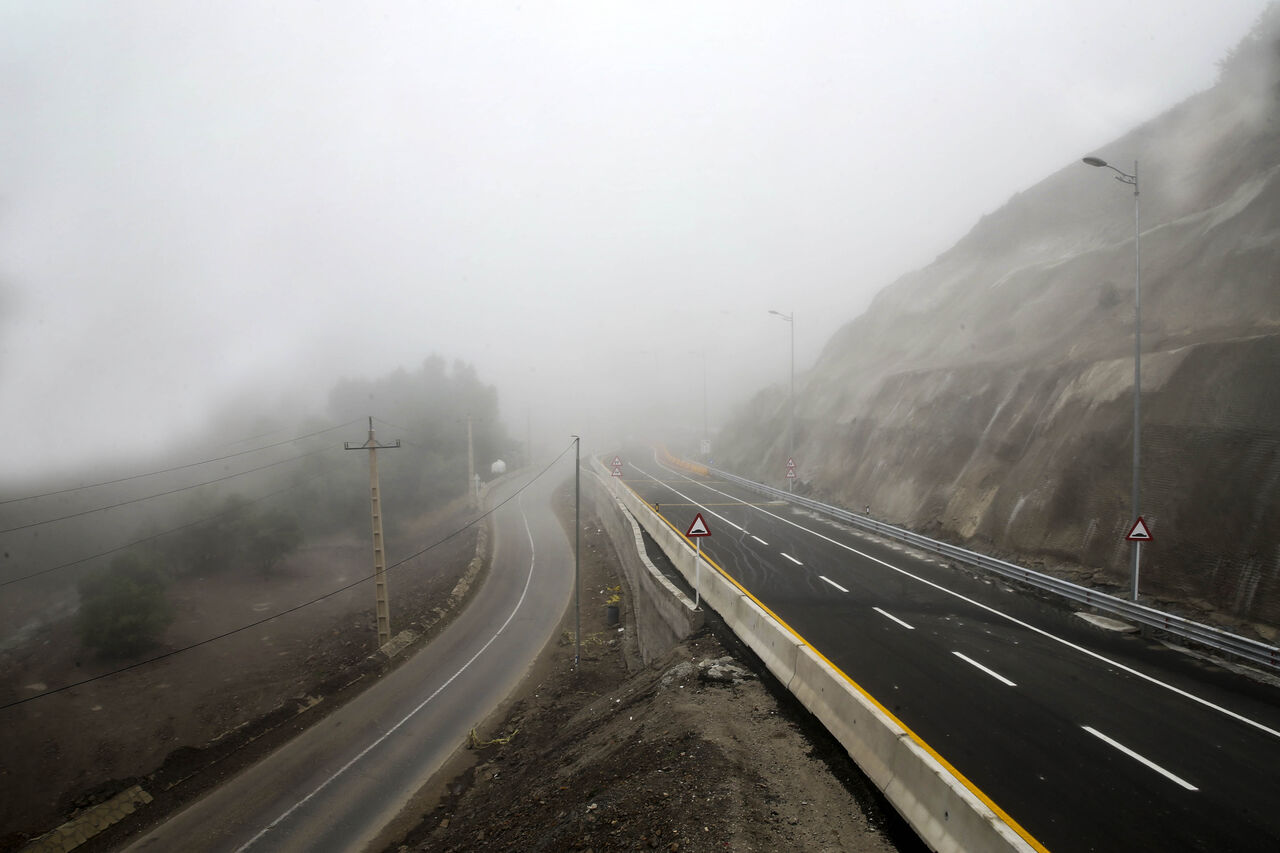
{"x":1088,"y":740}
{"x":337,"y":785}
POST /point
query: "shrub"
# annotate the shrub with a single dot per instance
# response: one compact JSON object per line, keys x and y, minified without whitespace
{"x":123,"y":609}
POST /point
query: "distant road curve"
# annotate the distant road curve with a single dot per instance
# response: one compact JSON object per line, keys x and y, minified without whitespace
{"x":338,"y":784}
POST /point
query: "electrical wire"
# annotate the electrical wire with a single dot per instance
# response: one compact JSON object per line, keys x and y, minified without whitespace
{"x":177,"y":467}
{"x":162,"y":494}
{"x":295,"y":608}
{"x":144,"y":539}
{"x":403,"y":429}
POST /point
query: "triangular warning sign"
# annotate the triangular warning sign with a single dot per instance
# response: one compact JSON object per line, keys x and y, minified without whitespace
{"x":791,"y":463}
{"x":698,"y":528}
{"x":1139,"y":532}
{"x":617,"y":463}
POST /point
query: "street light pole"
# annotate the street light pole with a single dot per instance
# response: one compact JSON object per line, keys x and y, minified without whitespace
{"x":1126,"y":178}
{"x":577,"y":550}
{"x":791,"y":422}
{"x":706,"y":436}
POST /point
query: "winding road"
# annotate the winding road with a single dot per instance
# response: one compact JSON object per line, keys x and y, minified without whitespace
{"x":338,"y":784}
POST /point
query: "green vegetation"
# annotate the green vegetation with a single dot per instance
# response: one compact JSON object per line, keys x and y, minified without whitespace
{"x":123,"y":609}
{"x":429,"y":409}
{"x":269,"y":538}
{"x":239,"y":534}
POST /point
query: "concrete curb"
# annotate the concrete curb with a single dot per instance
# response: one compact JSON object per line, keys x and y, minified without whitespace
{"x":90,"y":822}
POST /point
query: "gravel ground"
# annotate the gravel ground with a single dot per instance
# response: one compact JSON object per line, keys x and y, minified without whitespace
{"x":701,"y":751}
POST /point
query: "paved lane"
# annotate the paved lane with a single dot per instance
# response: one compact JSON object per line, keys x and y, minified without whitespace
{"x":335,"y":786}
{"x":1091,"y":741}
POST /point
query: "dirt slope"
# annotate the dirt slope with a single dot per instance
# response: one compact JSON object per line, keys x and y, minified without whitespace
{"x":701,"y":751}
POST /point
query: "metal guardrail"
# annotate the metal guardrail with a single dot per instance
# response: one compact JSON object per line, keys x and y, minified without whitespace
{"x":1207,"y":635}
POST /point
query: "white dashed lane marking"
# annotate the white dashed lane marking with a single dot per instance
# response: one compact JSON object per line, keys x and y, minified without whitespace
{"x":991,"y":672}
{"x":833,"y":583}
{"x":1129,"y":752}
{"x":888,"y":615}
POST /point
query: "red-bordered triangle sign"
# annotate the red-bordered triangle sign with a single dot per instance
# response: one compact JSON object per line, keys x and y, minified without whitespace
{"x":616,"y":462}
{"x":698,"y":528}
{"x":1140,"y":532}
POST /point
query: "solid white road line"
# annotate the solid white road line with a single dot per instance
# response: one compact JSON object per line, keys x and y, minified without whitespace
{"x":888,"y":615}
{"x":791,"y":558}
{"x":833,"y":583}
{"x":758,"y":539}
{"x":991,"y":672}
{"x":1013,"y":619}
{"x":1129,"y":752}
{"x":533,"y":559}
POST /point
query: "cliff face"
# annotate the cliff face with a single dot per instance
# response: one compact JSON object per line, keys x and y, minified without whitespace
{"x":987,"y":398}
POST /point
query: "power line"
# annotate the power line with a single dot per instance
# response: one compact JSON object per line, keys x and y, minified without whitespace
{"x":295,"y":608}
{"x":162,"y":494}
{"x":163,"y":532}
{"x":177,"y":467}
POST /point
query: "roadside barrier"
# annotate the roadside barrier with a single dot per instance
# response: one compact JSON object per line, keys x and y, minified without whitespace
{"x":1245,"y":648}
{"x":947,"y":811}
{"x":683,"y":464}
{"x":664,"y":615}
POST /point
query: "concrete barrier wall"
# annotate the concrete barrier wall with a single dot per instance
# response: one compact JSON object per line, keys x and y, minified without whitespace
{"x":948,"y":813}
{"x":663,"y":614}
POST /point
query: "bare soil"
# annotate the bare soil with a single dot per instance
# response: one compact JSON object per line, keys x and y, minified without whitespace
{"x":702,"y":751}
{"x":179,"y":725}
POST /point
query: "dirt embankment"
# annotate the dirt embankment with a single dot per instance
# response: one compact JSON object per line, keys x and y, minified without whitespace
{"x":701,"y":751}
{"x":180,"y":725}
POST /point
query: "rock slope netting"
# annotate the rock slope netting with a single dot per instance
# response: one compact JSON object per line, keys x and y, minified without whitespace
{"x":987,"y":398}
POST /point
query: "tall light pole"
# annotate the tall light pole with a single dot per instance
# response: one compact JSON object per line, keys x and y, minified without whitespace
{"x":706,"y":435}
{"x":577,"y":549}
{"x":1126,"y":178}
{"x":791,"y":422}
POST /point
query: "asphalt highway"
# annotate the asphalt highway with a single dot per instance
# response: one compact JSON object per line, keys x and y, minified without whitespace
{"x":1089,"y":740}
{"x":337,"y":785}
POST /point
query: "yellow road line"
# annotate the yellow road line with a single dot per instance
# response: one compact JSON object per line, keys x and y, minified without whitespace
{"x":974,"y":789}
{"x":735,"y":503}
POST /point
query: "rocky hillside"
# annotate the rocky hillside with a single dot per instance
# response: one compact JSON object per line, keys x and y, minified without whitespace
{"x":987,"y":398}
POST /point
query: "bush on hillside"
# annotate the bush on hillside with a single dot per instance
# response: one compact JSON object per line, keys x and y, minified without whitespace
{"x":123,"y":609}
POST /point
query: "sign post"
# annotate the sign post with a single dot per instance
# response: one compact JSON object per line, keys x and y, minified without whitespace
{"x":791,"y":472}
{"x":1138,"y":534}
{"x":696,"y":531}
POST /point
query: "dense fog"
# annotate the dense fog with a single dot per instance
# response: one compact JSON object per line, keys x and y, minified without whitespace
{"x":225,"y":208}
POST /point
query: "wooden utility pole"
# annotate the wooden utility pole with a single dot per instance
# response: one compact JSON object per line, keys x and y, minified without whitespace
{"x":382,"y":607}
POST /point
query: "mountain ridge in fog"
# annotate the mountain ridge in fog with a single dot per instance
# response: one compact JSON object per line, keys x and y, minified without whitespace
{"x":987,"y":398}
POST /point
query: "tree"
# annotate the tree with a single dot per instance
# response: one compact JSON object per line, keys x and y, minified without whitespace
{"x":271,"y":537}
{"x":123,"y":608}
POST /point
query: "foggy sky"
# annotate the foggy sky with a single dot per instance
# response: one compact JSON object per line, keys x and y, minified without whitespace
{"x":208,"y":203}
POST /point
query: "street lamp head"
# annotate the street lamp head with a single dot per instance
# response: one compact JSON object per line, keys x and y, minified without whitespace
{"x":1095,"y":161}
{"x":786,"y":317}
